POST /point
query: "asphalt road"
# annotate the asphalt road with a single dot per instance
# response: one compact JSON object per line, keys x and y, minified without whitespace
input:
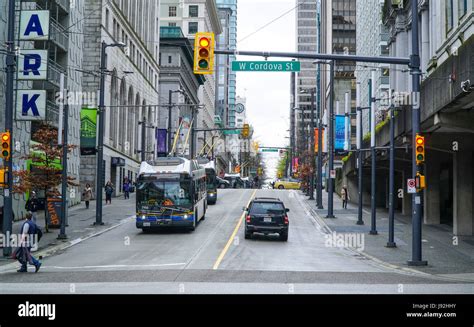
{"x":216,"y":258}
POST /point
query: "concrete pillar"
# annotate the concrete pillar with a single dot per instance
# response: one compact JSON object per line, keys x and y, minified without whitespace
{"x":431,"y":194}
{"x":462,"y":194}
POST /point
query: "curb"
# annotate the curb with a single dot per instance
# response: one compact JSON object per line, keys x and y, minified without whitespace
{"x":319,"y":220}
{"x":47,"y":252}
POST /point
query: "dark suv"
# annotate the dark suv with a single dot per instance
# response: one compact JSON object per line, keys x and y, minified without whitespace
{"x":267,"y":216}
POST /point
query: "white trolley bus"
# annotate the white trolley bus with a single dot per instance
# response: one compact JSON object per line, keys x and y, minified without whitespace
{"x":171,"y":192}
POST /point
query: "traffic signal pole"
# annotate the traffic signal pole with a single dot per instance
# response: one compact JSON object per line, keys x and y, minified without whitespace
{"x":10,"y":61}
{"x":418,"y":196}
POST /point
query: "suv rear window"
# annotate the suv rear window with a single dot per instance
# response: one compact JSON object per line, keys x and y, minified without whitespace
{"x":263,"y":208}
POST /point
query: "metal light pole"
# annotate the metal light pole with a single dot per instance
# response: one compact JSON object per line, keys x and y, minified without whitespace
{"x":313,"y":161}
{"x":10,"y":61}
{"x":417,"y":197}
{"x":331,"y":143}
{"x":62,"y":234}
{"x":170,"y":94}
{"x":391,"y":206}
{"x":100,"y":143}
{"x":373,"y":225}
{"x":359,"y":132}
{"x":143,"y":152}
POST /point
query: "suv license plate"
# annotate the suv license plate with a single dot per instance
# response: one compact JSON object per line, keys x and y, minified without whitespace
{"x":267,"y":219}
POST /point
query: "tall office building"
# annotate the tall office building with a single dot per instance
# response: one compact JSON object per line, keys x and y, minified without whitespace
{"x":306,"y":41}
{"x":338,"y":31}
{"x":372,"y":37}
{"x":223,"y":63}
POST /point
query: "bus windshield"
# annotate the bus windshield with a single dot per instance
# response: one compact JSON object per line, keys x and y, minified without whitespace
{"x":155,"y":194}
{"x":211,"y":179}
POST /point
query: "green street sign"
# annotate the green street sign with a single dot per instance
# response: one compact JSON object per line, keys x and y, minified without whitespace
{"x":269,"y":150}
{"x":266,"y":66}
{"x":230,"y":132}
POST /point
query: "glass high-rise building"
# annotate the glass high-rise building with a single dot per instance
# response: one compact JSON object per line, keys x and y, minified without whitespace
{"x":226,"y":77}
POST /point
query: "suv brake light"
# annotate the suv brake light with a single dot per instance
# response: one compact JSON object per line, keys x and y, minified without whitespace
{"x":248,"y":218}
{"x":286,"y":220}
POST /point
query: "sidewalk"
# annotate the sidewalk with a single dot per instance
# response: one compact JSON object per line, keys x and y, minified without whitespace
{"x":444,"y":258}
{"x":80,"y":225}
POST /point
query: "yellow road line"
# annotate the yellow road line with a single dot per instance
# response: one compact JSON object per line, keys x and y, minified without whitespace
{"x":229,"y":242}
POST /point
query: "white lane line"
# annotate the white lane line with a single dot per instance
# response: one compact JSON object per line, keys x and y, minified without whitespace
{"x":117,"y":266}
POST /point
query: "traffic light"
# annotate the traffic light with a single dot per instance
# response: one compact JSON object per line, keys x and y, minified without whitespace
{"x":245,"y":131}
{"x":6,"y":145}
{"x":204,"y":53}
{"x":420,"y":149}
{"x":256,"y":146}
{"x":420,"y":181}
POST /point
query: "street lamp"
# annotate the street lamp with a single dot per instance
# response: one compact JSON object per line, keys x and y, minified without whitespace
{"x":100,"y":143}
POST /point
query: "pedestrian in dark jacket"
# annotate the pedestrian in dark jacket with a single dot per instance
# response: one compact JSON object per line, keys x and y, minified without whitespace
{"x":23,"y":252}
{"x":126,"y":188}
{"x":32,"y":205}
{"x":109,"y":190}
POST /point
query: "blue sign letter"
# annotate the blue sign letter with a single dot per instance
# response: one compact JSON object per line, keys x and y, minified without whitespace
{"x":30,"y":66}
{"x":34,"y":25}
{"x":26,"y":105}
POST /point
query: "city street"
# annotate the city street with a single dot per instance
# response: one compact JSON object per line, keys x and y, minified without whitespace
{"x":216,"y":258}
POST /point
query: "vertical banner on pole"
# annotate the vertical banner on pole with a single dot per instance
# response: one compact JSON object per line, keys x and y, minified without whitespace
{"x":88,"y":131}
{"x":316,"y":140}
{"x":161,"y":146}
{"x":340,"y":132}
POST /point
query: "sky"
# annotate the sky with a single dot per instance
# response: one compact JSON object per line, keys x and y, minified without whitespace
{"x":267,"y":94}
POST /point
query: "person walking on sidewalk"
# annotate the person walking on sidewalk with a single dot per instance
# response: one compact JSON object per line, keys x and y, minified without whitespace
{"x":87,"y":195}
{"x":344,"y":196}
{"x":109,"y":190}
{"x":23,"y":253}
{"x":126,"y":188}
{"x":32,"y":205}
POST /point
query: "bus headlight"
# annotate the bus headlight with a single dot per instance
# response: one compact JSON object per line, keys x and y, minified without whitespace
{"x":142,"y":217}
{"x":186,"y":216}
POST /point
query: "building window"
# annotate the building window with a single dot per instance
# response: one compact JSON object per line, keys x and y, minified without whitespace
{"x":172,"y":11}
{"x":172,"y":24}
{"x":170,"y":59}
{"x":107,"y":15}
{"x":193,"y":11}
{"x":449,"y":15}
{"x":192,"y":27}
{"x":462,"y":4}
